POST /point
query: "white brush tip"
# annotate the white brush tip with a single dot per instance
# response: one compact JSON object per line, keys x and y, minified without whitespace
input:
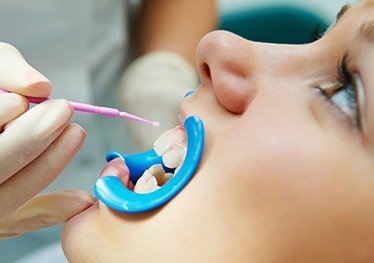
{"x":155,"y":124}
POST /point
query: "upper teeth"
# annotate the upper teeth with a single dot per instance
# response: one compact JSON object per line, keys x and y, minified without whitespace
{"x":172,"y":147}
{"x":174,"y":157}
{"x":169,"y":139}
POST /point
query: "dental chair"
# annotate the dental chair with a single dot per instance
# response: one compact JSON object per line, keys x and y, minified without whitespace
{"x":274,"y":24}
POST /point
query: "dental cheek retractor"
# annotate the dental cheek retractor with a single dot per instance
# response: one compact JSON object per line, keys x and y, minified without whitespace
{"x":111,"y":191}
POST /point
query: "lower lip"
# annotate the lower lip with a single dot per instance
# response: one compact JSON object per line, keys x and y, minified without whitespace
{"x":117,"y":167}
{"x":76,"y":219}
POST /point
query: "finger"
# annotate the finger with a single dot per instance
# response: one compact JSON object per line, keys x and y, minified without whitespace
{"x":18,"y":76}
{"x":42,"y":171}
{"x":28,"y":136}
{"x":11,"y":106}
{"x":44,"y":211}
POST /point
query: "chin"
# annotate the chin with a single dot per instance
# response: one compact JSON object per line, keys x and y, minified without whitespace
{"x":78,"y":236}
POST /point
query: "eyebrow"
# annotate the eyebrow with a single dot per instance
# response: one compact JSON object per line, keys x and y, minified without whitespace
{"x":342,"y":11}
{"x":346,"y":7}
{"x":340,"y":14}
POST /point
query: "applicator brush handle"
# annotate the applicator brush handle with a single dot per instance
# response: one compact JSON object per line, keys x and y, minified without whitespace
{"x":106,"y":111}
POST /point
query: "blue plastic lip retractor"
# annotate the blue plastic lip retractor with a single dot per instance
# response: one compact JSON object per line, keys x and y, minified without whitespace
{"x":111,"y":191}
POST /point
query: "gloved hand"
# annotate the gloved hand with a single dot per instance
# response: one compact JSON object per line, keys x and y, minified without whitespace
{"x":35,"y":146}
{"x":153,"y":87}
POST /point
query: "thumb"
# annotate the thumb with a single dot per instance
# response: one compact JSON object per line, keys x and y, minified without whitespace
{"x":18,"y":76}
{"x":44,"y":211}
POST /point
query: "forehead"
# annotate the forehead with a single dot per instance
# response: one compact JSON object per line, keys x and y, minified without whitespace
{"x":367,"y":2}
{"x":357,"y":10}
{"x":362,"y":4}
{"x":360,"y":17}
{"x":355,"y":15}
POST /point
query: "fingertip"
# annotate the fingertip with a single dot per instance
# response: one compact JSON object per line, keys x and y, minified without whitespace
{"x":63,"y":107}
{"x":79,"y":130}
{"x":19,"y":76}
{"x":59,"y":110}
{"x":4,"y":46}
{"x":37,"y":84}
{"x":11,"y":106}
{"x":74,"y":136}
{"x":23,"y":102}
{"x":39,"y":89}
{"x":16,"y":102}
{"x":67,"y":105}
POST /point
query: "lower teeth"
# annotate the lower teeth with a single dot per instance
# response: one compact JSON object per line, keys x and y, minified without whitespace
{"x":152,"y":179}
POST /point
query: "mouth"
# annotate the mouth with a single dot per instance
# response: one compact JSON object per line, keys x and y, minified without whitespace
{"x":171,"y":146}
{"x":140,"y":182}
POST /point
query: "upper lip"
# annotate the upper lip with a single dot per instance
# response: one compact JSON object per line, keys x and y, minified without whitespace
{"x":181,"y":117}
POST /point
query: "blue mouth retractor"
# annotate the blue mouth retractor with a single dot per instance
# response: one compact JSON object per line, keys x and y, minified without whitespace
{"x":111,"y":191}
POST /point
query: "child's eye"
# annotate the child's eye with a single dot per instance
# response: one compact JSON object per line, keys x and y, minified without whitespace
{"x":348,"y":96}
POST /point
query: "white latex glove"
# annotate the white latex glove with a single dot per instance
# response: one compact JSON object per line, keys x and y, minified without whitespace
{"x":36,"y":145}
{"x":153,"y":87}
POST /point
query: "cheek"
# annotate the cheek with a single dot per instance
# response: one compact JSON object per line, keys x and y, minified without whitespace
{"x":291,"y":180}
{"x":269,"y":164}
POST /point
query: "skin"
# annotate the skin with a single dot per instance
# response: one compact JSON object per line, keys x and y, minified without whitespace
{"x":285,"y":177}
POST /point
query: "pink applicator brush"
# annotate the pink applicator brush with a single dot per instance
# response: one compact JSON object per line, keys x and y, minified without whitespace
{"x":112,"y":112}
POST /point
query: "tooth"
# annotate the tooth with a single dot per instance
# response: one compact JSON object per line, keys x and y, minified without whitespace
{"x":159,"y":173}
{"x":146,"y":183}
{"x":156,"y":170}
{"x":167,"y":177}
{"x":169,"y":139}
{"x":174,"y":157}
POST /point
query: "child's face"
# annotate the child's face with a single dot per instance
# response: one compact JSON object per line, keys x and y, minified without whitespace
{"x":285,"y":174}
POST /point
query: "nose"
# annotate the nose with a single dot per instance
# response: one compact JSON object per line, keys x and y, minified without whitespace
{"x":223,"y":64}
{"x":235,"y":67}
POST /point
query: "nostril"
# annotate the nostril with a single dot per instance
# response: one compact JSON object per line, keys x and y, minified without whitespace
{"x":206,"y":71}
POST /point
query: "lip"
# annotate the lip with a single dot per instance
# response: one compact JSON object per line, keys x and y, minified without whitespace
{"x":182,"y":116}
{"x":117,"y":167}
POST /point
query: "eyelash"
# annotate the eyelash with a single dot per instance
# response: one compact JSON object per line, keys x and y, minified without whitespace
{"x":345,"y":79}
{"x":345,"y":84}
{"x":344,"y":76}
